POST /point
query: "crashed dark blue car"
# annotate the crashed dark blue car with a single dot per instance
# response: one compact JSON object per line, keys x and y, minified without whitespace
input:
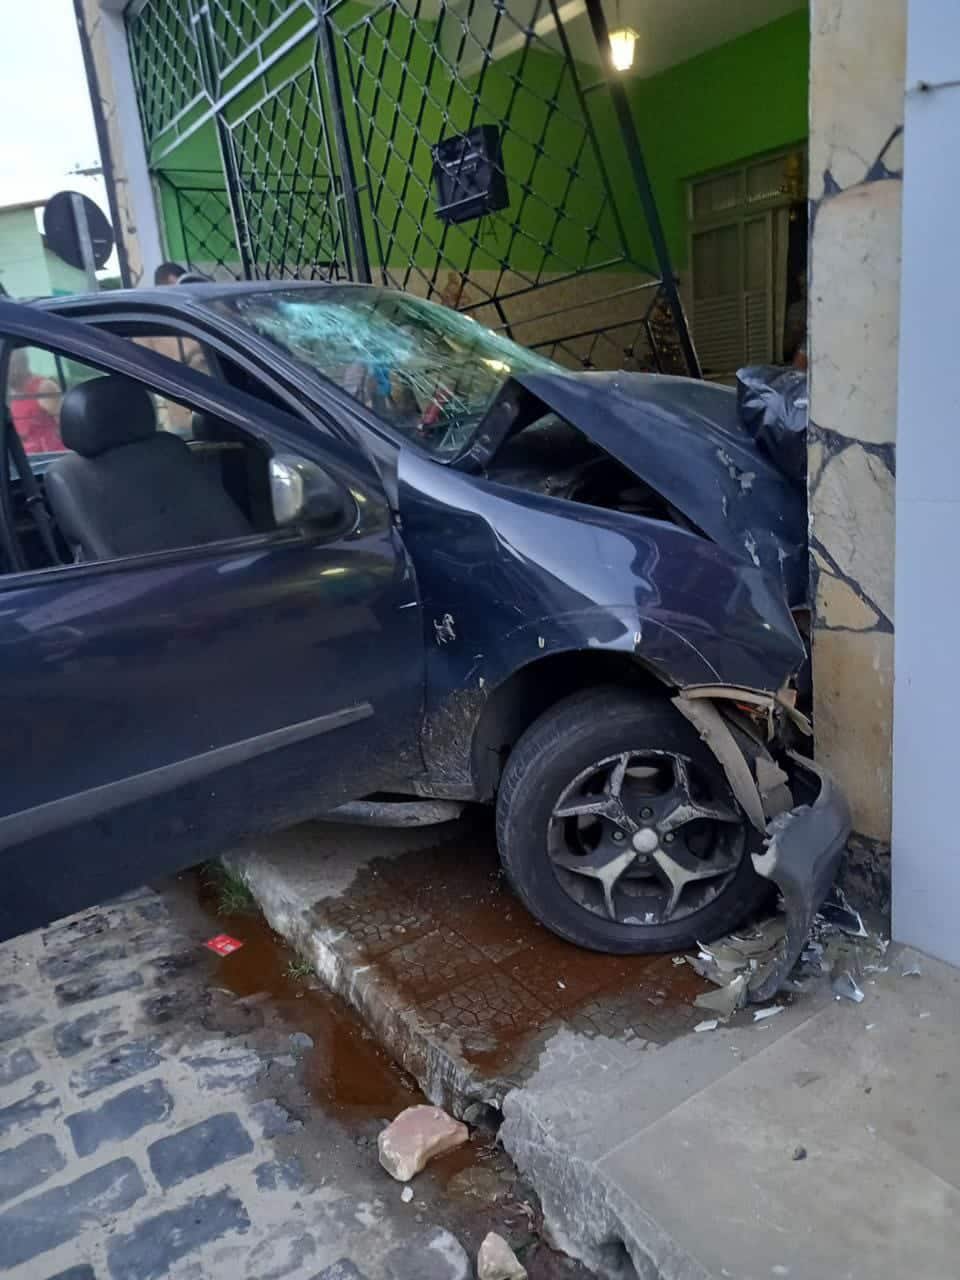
{"x":278,"y":551}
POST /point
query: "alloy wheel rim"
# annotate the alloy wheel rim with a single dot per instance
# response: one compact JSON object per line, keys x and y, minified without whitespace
{"x":645,"y":838}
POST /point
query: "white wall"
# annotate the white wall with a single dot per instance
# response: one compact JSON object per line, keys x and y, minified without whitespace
{"x":926,"y":782}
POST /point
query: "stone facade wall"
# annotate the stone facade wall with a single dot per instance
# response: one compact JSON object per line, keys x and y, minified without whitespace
{"x":858,"y":50}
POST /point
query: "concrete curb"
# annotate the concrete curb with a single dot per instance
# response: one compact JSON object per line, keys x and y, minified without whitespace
{"x":586,"y":1214}
{"x":590,"y":1119}
{"x":437,"y":1064}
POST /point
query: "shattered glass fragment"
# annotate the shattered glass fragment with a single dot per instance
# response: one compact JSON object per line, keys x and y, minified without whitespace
{"x":845,"y":988}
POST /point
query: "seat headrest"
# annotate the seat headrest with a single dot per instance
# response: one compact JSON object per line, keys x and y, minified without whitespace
{"x":102,"y":413}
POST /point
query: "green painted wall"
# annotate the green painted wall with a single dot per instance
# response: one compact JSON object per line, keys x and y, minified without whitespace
{"x":739,"y":100}
{"x":735,"y":101}
{"x":23,"y":268}
{"x":193,"y":221}
{"x":557,"y":218}
{"x":27,"y":268}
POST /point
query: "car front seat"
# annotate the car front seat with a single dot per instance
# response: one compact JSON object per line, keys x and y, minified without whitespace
{"x":128,"y":488}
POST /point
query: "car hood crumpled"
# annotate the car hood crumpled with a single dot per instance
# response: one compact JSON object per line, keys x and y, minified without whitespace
{"x":684,"y":439}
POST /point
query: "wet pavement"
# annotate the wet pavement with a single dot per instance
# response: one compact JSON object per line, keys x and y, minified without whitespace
{"x":454,"y":975}
{"x":169,"y":1113}
{"x":618,"y":1116}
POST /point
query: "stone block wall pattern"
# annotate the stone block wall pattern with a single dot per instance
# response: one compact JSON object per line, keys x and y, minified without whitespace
{"x":856,"y":185}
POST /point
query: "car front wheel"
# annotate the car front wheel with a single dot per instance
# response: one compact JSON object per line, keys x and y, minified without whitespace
{"x":618,"y":830}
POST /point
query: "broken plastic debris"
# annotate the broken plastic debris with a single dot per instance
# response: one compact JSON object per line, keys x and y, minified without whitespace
{"x":679,"y":959}
{"x":845,"y":988}
{"x":837,"y":942}
{"x":406,"y":1195}
{"x":223,"y":944}
{"x":709,"y":1024}
{"x":925,"y":1014}
{"x":869,"y":1026}
{"x":838,"y":912}
{"x":912,"y":973}
{"x":741,"y":953}
{"x":725,"y":1001}
{"x":759,"y":1015}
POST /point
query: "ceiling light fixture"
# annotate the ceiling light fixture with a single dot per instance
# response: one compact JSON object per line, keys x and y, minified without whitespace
{"x":623,"y":45}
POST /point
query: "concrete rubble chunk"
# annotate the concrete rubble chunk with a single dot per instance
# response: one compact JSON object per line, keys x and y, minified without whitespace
{"x":497,"y":1261}
{"x":418,"y":1134}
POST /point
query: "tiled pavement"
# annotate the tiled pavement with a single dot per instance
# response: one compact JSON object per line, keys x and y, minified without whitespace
{"x":156,"y":1126}
{"x":140,"y":1141}
{"x":422,"y":934}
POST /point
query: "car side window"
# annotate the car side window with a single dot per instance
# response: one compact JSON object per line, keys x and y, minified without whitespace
{"x":37,"y":381}
{"x":123,"y":470}
{"x":170,"y":415}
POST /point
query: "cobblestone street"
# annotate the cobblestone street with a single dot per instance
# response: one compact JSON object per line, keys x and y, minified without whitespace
{"x":169,"y":1113}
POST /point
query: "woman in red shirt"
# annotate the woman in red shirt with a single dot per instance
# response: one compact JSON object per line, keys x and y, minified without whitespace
{"x":34,"y":406}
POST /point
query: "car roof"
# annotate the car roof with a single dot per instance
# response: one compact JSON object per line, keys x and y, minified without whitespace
{"x":183,"y":295}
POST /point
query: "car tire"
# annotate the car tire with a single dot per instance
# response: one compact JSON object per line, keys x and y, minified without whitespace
{"x":557,"y":748}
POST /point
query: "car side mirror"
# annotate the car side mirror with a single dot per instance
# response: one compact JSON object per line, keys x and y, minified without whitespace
{"x":303,"y":493}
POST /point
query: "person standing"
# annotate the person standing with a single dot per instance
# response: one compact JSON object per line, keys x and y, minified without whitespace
{"x":34,"y":406}
{"x":168,"y":273}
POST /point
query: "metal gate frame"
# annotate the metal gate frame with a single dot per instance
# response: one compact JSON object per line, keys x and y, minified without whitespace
{"x":300,"y":176}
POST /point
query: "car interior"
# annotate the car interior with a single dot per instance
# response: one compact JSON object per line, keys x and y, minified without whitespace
{"x":125,"y":482}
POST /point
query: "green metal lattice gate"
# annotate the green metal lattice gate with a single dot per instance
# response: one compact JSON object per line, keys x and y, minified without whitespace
{"x":479,"y":152}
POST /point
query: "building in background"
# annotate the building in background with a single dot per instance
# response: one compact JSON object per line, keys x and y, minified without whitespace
{"x":28,"y":269}
{"x":329,"y":139}
{"x":269,"y":140}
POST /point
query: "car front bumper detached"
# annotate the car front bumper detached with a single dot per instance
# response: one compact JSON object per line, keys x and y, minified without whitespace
{"x":803,"y":842}
{"x":804,"y":846}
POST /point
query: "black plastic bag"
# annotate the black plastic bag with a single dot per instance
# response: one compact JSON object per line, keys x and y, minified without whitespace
{"x":773,"y":403}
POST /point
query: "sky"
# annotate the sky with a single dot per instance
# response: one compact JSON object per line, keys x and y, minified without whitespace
{"x":47,"y":125}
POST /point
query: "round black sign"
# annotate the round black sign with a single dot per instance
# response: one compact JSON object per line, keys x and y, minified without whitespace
{"x":62,"y":233}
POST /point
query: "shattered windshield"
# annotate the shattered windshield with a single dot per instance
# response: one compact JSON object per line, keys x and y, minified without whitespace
{"x":429,"y":372}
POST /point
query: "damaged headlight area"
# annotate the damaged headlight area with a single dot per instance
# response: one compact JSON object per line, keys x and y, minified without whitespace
{"x":804,"y":817}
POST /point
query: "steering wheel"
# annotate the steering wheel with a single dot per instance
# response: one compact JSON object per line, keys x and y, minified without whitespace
{"x":13,"y":459}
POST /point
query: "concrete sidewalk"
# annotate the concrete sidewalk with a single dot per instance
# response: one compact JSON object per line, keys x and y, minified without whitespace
{"x":657,"y":1152}
{"x":689,"y":1156}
